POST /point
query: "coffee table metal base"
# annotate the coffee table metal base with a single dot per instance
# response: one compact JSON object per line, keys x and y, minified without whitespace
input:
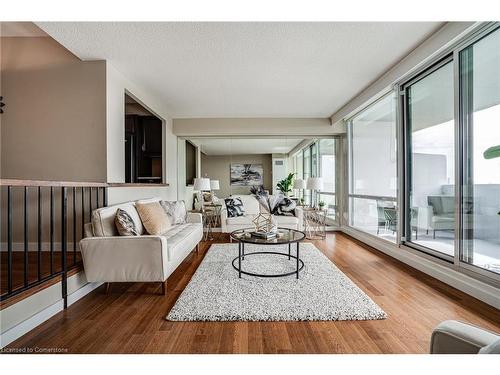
{"x":242,"y":255}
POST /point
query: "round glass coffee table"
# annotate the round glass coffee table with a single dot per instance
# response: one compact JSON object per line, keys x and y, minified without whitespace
{"x":285,"y":237}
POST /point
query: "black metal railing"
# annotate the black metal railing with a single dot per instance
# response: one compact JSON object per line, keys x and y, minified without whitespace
{"x":17,"y":215}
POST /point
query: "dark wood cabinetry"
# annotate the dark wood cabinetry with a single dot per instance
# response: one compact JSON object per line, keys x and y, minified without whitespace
{"x":143,"y":149}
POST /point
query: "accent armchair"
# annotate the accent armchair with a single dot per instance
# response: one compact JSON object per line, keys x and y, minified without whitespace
{"x":454,"y":337}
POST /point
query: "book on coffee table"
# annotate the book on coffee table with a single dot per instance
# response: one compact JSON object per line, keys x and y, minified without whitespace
{"x":264,"y":235}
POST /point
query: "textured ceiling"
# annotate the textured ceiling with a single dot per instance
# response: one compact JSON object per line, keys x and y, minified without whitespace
{"x":246,"y":69}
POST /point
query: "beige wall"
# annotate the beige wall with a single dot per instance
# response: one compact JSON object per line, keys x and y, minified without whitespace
{"x":218,"y":168}
{"x":55,"y":113}
{"x":53,"y":127}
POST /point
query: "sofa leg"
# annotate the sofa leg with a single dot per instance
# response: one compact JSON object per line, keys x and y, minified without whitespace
{"x":164,"y":288}
{"x":108,"y":288}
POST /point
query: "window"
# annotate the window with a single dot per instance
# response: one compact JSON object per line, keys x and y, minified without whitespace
{"x":318,"y":160}
{"x":430,"y":129}
{"x":372,"y":169}
{"x":307,"y":173}
{"x":298,"y":170}
{"x":480,"y":98}
{"x":327,"y":172}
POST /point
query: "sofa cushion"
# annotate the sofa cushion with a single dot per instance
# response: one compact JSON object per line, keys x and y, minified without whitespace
{"x":176,"y":211}
{"x":285,"y":207}
{"x":124,"y":224}
{"x":103,"y":219}
{"x":234,"y":207}
{"x":441,"y":204}
{"x":250,"y":204}
{"x":245,"y":219}
{"x":154,"y":218}
{"x":177,"y":234}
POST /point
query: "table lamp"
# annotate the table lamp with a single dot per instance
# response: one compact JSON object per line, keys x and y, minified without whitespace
{"x":314,"y":184}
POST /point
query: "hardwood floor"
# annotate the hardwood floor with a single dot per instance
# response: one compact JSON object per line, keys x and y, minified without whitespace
{"x":131,"y":318}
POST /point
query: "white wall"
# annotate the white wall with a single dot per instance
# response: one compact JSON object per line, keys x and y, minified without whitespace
{"x":255,"y":126}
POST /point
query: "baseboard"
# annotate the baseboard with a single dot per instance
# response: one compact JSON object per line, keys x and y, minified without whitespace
{"x":34,"y":321}
{"x":471,"y":286}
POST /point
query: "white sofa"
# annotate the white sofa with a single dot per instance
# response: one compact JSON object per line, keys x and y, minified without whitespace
{"x":109,"y":257}
{"x":252,"y":209}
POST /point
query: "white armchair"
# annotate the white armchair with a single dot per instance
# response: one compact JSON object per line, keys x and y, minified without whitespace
{"x":454,"y":337}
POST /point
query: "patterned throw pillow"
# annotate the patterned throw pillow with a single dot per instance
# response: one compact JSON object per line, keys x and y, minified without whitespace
{"x":176,"y":211}
{"x":154,"y":218}
{"x":286,"y":207}
{"x":124,"y":224}
{"x":234,"y":207}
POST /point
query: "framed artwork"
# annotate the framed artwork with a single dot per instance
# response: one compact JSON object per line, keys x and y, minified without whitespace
{"x":246,"y":174}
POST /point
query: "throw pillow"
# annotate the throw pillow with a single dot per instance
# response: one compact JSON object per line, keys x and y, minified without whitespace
{"x":176,"y":211}
{"x":153,"y":216}
{"x":124,"y":224}
{"x":234,"y":207}
{"x":286,"y":207}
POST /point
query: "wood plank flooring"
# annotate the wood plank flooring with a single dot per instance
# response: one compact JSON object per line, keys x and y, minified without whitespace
{"x":131,"y":319}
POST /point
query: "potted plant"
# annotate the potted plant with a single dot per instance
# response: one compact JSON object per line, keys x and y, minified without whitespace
{"x":321,"y":205}
{"x":285,"y":185}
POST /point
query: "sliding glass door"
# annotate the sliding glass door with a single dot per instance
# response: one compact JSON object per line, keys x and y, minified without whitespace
{"x":451,"y":127}
{"x":480,"y":114}
{"x":372,"y":169}
{"x":430,"y":160}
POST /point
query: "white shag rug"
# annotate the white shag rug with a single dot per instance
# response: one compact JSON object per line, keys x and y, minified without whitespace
{"x":322,"y":292}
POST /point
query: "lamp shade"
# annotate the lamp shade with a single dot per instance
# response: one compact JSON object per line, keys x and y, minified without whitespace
{"x":201,"y":184}
{"x":299,"y":184}
{"x":214,"y":185}
{"x":314,"y":183}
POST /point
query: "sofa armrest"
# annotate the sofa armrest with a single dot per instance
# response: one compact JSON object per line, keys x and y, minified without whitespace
{"x":454,"y":337}
{"x":134,"y":258}
{"x":223,"y":219}
{"x":194,"y":218}
{"x":299,"y":214}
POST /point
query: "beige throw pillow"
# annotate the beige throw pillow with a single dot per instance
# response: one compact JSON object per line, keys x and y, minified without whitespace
{"x":154,"y":217}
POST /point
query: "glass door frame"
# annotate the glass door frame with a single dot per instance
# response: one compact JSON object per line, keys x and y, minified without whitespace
{"x":407,"y":167}
{"x":452,"y":54}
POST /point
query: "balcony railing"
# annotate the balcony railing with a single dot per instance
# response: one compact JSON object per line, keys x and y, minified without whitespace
{"x":31,"y":258}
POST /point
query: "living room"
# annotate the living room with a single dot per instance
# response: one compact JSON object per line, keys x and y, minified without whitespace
{"x":250,"y":187}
